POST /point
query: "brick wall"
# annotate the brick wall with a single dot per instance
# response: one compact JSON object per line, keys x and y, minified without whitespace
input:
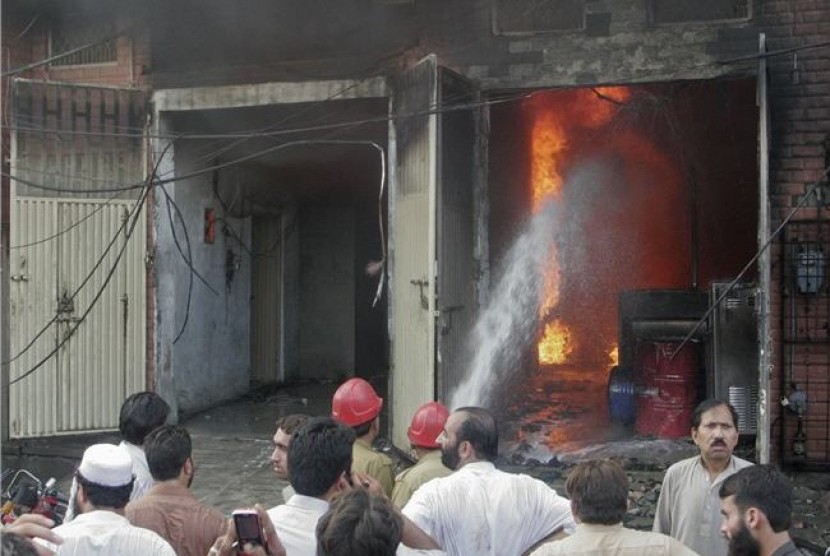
{"x":800,"y":123}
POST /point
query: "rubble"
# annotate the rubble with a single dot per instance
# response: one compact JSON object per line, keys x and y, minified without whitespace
{"x":811,"y":492}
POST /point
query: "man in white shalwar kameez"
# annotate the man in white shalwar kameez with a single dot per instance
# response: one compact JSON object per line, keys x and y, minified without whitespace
{"x":479,"y":509}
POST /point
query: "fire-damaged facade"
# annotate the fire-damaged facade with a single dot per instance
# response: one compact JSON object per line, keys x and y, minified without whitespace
{"x":586,"y":214}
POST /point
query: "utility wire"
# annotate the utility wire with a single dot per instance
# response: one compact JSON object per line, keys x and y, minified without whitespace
{"x":187,"y":175}
{"x":186,"y":258}
{"x":512,"y":97}
{"x":87,"y":278}
{"x":135,"y":216}
{"x":813,"y":188}
{"x":66,"y":230}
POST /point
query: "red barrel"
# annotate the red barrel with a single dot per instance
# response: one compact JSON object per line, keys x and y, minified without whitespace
{"x":666,"y":391}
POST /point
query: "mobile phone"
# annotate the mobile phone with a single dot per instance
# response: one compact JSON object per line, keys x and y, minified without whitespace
{"x":248,"y":529}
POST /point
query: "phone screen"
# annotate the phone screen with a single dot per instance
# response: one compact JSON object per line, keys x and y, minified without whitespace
{"x":247,"y":528}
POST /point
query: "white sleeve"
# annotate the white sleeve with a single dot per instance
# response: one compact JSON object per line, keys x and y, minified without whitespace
{"x":558,"y":508}
{"x":419,"y":510}
{"x":662,"y":514}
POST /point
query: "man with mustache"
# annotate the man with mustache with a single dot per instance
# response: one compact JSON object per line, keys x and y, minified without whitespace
{"x":689,"y":505}
{"x":756,"y":504}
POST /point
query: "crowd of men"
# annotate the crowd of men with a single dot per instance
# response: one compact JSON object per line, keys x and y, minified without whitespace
{"x":344,"y":499}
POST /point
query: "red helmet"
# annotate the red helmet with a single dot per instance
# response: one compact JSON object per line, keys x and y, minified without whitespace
{"x":427,"y":424}
{"x":355,"y":402}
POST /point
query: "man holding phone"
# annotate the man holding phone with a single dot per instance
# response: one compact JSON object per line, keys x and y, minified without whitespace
{"x":232,"y":544}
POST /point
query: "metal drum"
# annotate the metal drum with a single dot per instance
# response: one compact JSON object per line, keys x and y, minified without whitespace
{"x":666,"y":388}
{"x":622,"y":405}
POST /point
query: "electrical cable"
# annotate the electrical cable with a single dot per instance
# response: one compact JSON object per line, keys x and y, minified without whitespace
{"x":322,"y":127}
{"x":812,"y":189}
{"x":186,"y":258}
{"x":187,"y":175}
{"x":98,"y":295}
{"x":66,"y":230}
{"x":87,"y":278}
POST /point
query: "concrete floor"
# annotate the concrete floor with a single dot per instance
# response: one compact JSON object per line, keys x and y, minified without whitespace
{"x":231,"y":447}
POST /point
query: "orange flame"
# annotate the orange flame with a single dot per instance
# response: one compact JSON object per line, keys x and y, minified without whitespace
{"x":592,"y":109}
{"x":556,"y":344}
{"x":614,"y":355}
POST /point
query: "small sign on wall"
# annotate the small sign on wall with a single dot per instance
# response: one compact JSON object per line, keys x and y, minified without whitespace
{"x":210,"y":226}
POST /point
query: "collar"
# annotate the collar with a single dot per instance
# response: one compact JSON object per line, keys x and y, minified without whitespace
{"x":478,"y":466}
{"x":432,"y":455}
{"x":362,"y":442}
{"x":131,"y":448}
{"x":786,"y":548}
{"x":170,"y":488}
{"x":598,"y":527}
{"x":729,"y":466}
{"x":304,"y":502}
{"x":100,"y":516}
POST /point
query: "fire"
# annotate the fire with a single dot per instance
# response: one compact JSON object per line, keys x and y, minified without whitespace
{"x":591,"y":109}
{"x":547,"y":146}
{"x":556,"y":344}
{"x":614,"y":355}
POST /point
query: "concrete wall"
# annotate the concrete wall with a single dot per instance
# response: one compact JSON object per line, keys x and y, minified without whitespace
{"x":211,"y":360}
{"x":291,"y":293}
{"x":327,"y":291}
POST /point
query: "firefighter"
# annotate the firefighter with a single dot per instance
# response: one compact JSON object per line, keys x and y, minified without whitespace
{"x":357,"y":405}
{"x":427,"y":424}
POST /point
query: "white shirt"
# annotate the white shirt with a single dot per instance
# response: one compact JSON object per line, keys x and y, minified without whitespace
{"x":689,"y":505}
{"x":143,"y":478}
{"x":481,"y":510}
{"x":106,"y":533}
{"x":296,"y":523}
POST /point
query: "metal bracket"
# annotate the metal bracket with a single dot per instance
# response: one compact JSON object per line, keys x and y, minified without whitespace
{"x":422,"y":283}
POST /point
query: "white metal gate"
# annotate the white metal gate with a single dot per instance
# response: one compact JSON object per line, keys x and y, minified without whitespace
{"x":80,"y":387}
{"x":77,"y":290}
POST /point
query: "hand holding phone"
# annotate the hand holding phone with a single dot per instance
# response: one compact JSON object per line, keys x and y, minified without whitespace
{"x":248,"y":529}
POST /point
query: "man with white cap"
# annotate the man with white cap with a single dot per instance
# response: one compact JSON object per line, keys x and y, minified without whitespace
{"x":105,"y":481}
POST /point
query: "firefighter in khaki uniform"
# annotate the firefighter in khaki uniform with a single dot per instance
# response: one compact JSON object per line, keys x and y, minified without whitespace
{"x":357,"y":405}
{"x":427,"y":424}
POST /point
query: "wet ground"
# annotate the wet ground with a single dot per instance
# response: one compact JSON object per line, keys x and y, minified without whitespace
{"x":232,"y":445}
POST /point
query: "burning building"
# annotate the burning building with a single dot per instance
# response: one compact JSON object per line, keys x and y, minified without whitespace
{"x":627,"y":146}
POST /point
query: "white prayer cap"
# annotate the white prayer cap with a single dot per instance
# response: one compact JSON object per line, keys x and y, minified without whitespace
{"x":106,"y":465}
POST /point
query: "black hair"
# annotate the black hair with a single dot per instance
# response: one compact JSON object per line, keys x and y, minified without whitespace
{"x":319,"y":453}
{"x":765,"y":488}
{"x":598,"y":491}
{"x":102,"y":496}
{"x":141,"y":413}
{"x":712,"y":403}
{"x":359,"y":523}
{"x":166,"y":449}
{"x":480,"y":429}
{"x":363,"y":429}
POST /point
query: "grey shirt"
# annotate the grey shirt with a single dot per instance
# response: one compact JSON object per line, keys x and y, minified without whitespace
{"x":689,"y":505}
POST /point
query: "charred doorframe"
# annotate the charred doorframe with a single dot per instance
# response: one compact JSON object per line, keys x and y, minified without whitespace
{"x":168,"y":101}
